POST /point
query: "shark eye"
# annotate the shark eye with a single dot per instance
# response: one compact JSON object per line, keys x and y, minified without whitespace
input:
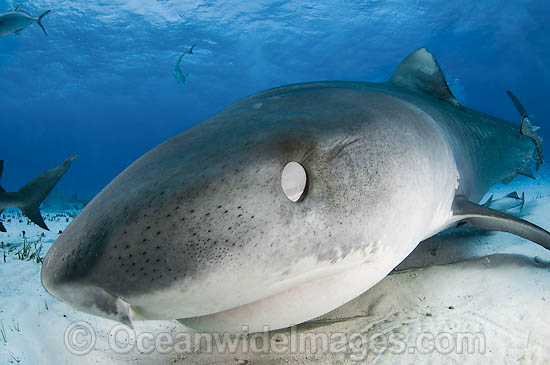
{"x":293,"y":181}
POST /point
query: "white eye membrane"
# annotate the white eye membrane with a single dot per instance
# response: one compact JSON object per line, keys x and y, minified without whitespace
{"x":293,"y":181}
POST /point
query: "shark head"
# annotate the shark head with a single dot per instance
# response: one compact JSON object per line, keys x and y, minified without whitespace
{"x":282,"y":188}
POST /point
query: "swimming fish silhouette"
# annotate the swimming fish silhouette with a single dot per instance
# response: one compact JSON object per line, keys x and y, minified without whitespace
{"x":17,"y":20}
{"x":178,"y":74}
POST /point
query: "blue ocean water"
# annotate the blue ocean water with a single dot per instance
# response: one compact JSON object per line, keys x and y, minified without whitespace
{"x":101,"y":83}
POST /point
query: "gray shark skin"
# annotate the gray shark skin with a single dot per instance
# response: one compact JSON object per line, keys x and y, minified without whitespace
{"x":17,"y":20}
{"x":30,"y":196}
{"x":199,"y":229}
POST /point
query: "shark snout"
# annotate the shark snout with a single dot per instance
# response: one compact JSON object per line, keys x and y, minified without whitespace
{"x":68,"y":276}
{"x":94,"y":300}
{"x":83,"y":294}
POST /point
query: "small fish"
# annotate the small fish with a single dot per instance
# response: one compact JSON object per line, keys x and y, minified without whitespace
{"x":508,"y":202}
{"x":17,"y":20}
{"x":178,"y":74}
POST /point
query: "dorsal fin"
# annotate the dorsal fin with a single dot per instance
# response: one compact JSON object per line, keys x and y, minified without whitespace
{"x":421,"y":72}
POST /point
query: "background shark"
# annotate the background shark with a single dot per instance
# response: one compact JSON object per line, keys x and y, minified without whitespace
{"x":57,"y":200}
{"x":200,"y":229}
{"x":30,"y":196}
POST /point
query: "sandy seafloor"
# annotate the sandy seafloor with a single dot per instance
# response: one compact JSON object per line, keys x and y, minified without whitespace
{"x":493,"y":287}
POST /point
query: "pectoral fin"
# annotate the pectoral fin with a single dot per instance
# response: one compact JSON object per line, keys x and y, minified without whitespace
{"x":487,"y":218}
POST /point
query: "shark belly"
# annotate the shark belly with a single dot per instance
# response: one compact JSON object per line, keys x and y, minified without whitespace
{"x":297,"y":304}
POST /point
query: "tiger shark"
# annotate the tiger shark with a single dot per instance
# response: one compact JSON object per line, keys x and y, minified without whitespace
{"x":30,"y":196}
{"x":289,"y":203}
{"x":17,"y":20}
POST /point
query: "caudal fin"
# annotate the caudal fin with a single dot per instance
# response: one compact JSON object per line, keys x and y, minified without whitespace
{"x":36,"y":191}
{"x":39,"y":21}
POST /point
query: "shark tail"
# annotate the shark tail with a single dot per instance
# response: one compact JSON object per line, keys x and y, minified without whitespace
{"x":39,"y":21}
{"x":32,"y":194}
